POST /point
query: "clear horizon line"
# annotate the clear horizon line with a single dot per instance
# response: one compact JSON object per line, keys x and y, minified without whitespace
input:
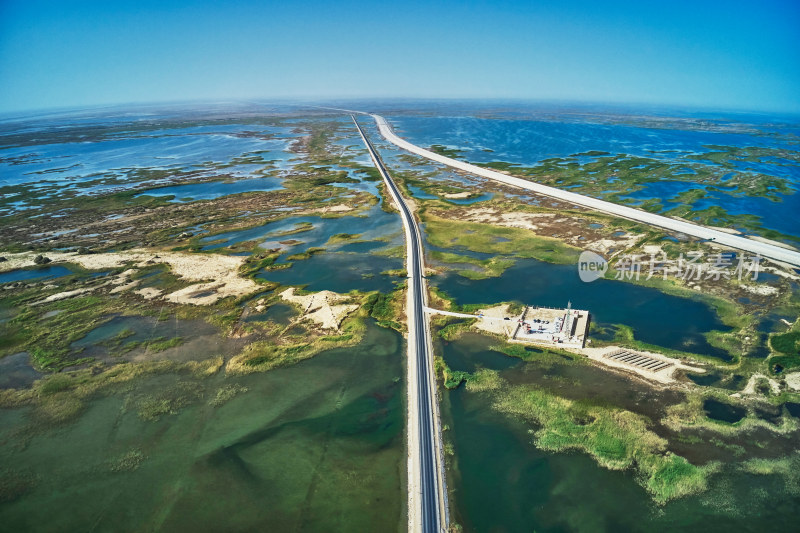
{"x":11,"y":114}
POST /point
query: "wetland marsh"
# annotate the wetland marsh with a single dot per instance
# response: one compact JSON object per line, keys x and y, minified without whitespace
{"x":157,"y":358}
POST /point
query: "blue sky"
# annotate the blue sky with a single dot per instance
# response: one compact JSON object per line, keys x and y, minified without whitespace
{"x":737,"y":55}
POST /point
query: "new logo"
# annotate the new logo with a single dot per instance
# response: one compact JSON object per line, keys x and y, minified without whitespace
{"x":591,"y":266}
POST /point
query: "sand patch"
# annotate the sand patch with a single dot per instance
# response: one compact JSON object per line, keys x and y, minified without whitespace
{"x":782,"y":273}
{"x":511,"y":220}
{"x":547,"y":224}
{"x":338,"y":208}
{"x":457,"y":195}
{"x":126,"y":287}
{"x":793,"y":380}
{"x":619,"y":244}
{"x":774,"y":386}
{"x":62,"y":296}
{"x":321,"y":307}
{"x":663,"y":376}
{"x":220,"y":273}
{"x":494,"y":320}
{"x":148,"y":293}
{"x":761,"y":290}
{"x":653,"y":250}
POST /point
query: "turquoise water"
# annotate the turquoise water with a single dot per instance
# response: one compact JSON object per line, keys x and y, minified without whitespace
{"x":469,"y":201}
{"x":419,"y":193}
{"x":362,"y":246}
{"x":345,"y":267}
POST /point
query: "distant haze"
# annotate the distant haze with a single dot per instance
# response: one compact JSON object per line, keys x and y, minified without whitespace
{"x":721,"y":55}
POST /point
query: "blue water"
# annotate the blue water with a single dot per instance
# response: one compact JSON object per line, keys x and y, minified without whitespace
{"x":419,"y":193}
{"x":55,"y":271}
{"x":339,"y":272}
{"x":468,"y":201}
{"x":783,"y":215}
{"x":375,"y":225}
{"x":529,"y":141}
{"x":114,"y":157}
{"x":103,"y":161}
{"x":664,"y":190}
{"x":657,"y":318}
{"x":362,"y":246}
{"x":214,"y":189}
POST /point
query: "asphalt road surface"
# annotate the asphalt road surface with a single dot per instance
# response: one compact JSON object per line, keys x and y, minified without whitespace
{"x":431,"y":494}
{"x":771,"y":251}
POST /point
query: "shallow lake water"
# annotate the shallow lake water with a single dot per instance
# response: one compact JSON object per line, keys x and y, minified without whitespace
{"x":279,"y":313}
{"x":115,"y":155}
{"x":345,"y":266}
{"x":540,"y":136}
{"x":656,"y":318}
{"x":317,"y":446}
{"x":16,"y":371}
{"x":25,"y":274}
{"x":198,"y":339}
{"x":722,"y":411}
{"x":214,"y":189}
{"x":339,"y":272}
{"x":316,"y":230}
{"x":501,"y":482}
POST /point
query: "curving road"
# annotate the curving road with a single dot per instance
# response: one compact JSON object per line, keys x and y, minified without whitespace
{"x":427,"y":505}
{"x":771,"y":251}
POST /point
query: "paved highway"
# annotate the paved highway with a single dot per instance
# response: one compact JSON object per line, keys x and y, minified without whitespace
{"x":427,"y":506}
{"x":771,"y":251}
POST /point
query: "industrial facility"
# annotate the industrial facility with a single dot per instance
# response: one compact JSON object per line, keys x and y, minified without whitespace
{"x":544,"y":325}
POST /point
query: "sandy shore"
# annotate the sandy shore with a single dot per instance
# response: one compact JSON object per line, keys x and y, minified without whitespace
{"x":217,"y":275}
{"x":726,"y":230}
{"x":793,"y":380}
{"x":493,"y":320}
{"x":662,"y":376}
{"x":770,"y":241}
{"x":457,"y":195}
{"x":750,"y":388}
{"x":321,"y":307}
{"x":339,"y":208}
